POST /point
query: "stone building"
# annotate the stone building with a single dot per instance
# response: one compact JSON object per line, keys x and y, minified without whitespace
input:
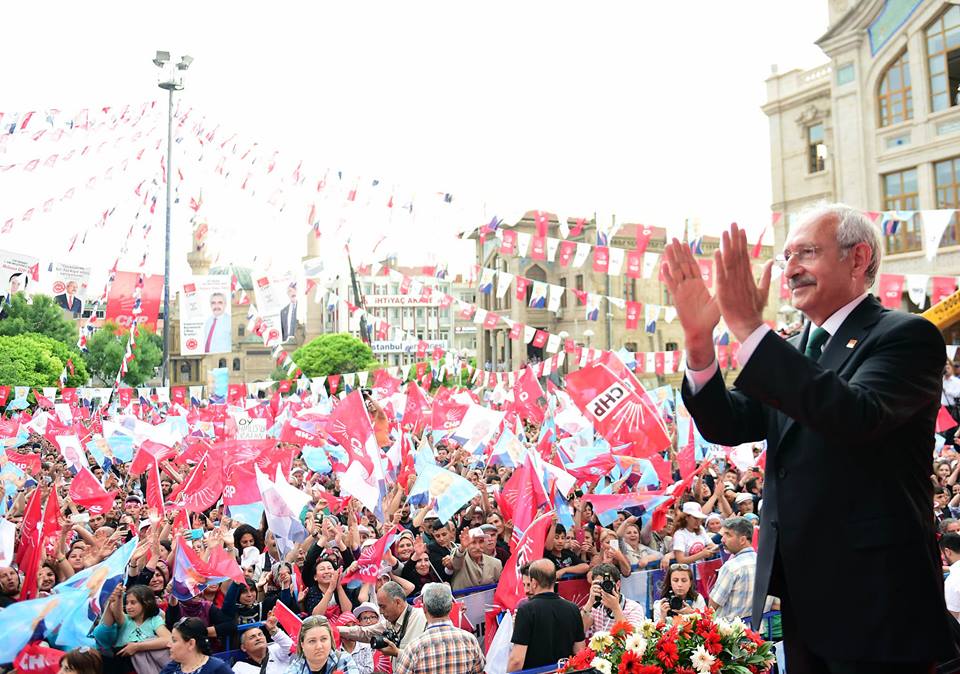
{"x":876,"y":126}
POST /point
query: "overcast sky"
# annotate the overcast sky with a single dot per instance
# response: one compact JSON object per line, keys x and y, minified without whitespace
{"x":647,"y":110}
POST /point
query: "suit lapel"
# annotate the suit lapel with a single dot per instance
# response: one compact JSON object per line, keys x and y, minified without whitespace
{"x":851,"y":333}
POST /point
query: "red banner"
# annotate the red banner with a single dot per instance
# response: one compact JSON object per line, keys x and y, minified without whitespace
{"x":566,"y":251}
{"x":943,"y":286}
{"x":601,"y":259}
{"x":891,"y":290}
{"x":538,"y":248}
{"x":509,"y":244}
{"x":634,"y":263}
{"x":124,"y":308}
{"x":633,"y":315}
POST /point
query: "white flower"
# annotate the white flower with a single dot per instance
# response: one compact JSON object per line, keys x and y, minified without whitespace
{"x":647,"y":627}
{"x":723,"y":627}
{"x":701,"y":660}
{"x":600,"y":640}
{"x":601,"y":665}
{"x":636,"y":643}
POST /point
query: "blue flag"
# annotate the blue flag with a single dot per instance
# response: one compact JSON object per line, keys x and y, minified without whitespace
{"x":450,"y":490}
{"x":21,"y":620}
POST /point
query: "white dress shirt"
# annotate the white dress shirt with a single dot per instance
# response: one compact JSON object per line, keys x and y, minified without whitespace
{"x":697,"y":379}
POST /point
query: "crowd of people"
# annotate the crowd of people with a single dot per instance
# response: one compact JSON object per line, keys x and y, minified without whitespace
{"x":372,"y":626}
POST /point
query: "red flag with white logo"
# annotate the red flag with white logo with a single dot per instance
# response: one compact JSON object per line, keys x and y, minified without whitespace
{"x":529,"y":548}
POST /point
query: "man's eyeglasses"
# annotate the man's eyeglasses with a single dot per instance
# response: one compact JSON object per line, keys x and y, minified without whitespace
{"x":802,"y":255}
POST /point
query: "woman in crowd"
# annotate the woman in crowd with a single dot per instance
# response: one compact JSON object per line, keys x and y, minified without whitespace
{"x":190,"y":650}
{"x":81,"y":661}
{"x":318,"y":599}
{"x":317,"y":652}
{"x":46,"y":578}
{"x":419,"y":571}
{"x":678,"y":595}
{"x":131,"y":625}
{"x":691,"y":543}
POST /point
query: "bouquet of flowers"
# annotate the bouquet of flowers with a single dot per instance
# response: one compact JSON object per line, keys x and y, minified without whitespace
{"x":688,"y":644}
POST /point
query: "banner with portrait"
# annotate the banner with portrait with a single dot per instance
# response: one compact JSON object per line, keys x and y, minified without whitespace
{"x":19,"y":273}
{"x":68,"y":286}
{"x":133,"y":298}
{"x":205,"y":320}
{"x":279,"y":303}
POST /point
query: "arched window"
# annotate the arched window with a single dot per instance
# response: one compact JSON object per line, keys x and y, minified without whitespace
{"x":222,"y":362}
{"x":895,"y":98}
{"x":236,"y":364}
{"x":943,"y":59}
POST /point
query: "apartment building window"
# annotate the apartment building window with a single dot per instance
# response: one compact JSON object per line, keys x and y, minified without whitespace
{"x":236,"y":364}
{"x":563,"y":297}
{"x":900,"y":194}
{"x":948,"y":196}
{"x":241,"y":330}
{"x":816,"y":148}
{"x":630,"y":289}
{"x":895,"y":98}
{"x":943,"y":59}
{"x":579,"y":282}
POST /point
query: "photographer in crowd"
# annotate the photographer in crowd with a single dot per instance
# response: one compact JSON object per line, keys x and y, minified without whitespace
{"x":606,"y":605}
{"x":399,"y":625}
{"x":678,"y":594}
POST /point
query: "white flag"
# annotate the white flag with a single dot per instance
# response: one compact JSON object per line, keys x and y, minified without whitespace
{"x":553,"y":343}
{"x":616,"y":261}
{"x":583,"y":252}
{"x":552,"y":246}
{"x":556,"y":294}
{"x":649,"y":264}
{"x":523,"y":243}
{"x":934,"y":224}
{"x":504,"y":279}
{"x":917,"y":289}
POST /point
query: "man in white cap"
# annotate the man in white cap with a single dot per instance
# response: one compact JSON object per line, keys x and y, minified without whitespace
{"x":744,"y":503}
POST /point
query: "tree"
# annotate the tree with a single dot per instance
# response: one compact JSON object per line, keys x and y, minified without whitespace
{"x":31,"y":359}
{"x":105,"y":349}
{"x":39,"y":316}
{"x":333,"y":354}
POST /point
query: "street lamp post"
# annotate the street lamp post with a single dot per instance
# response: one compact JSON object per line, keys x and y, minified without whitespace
{"x":171,"y":79}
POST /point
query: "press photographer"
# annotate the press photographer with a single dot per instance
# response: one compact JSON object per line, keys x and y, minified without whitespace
{"x":399,"y":625}
{"x":606,"y":605}
{"x":678,"y":595}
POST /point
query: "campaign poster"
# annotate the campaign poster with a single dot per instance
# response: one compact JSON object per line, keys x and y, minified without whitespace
{"x":133,"y":298}
{"x":68,"y":286}
{"x":205,"y":322}
{"x":278,"y":301}
{"x":18,"y":274}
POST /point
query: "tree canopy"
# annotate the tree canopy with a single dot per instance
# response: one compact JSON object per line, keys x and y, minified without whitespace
{"x":105,"y":349}
{"x":32,"y":359}
{"x":41,"y":315}
{"x":333,"y":354}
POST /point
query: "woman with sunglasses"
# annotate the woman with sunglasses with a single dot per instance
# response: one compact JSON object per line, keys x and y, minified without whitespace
{"x":190,"y":650}
{"x":317,"y":652}
{"x":678,"y":594}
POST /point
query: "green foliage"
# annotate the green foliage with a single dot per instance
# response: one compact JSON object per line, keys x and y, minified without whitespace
{"x":40,"y":316}
{"x":105,"y":349}
{"x":31,"y":359}
{"x":333,"y":354}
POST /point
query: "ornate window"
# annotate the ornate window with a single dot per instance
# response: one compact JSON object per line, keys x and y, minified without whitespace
{"x":900,"y":193}
{"x":816,"y":148}
{"x":948,"y":196}
{"x":943,"y":59}
{"x":895,"y":98}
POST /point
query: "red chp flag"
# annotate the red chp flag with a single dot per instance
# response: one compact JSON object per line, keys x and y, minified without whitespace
{"x":87,"y":492}
{"x":527,"y":395}
{"x":529,"y":548}
{"x":368,"y":566}
{"x":608,"y":394}
{"x":891,"y":290}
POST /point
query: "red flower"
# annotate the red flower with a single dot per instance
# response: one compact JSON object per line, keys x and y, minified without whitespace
{"x":648,"y":669}
{"x":715,"y":667}
{"x":581,"y":660}
{"x":712,"y":642}
{"x":667,"y":651}
{"x":685,"y":670}
{"x":630,"y":664}
{"x":621,"y":627}
{"x":754,"y":637}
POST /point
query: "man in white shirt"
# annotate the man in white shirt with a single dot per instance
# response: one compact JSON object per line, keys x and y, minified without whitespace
{"x":950,"y":545}
{"x":253,"y":643}
{"x":216,"y":333}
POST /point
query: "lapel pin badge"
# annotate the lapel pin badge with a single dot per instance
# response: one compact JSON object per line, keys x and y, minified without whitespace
{"x":852,"y":343}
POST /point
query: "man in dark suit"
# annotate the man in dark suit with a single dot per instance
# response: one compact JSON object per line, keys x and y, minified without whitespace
{"x":68,"y":300}
{"x":847,"y":408}
{"x":288,"y":315}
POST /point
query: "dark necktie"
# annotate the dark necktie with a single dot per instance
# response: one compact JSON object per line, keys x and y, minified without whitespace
{"x":815,"y":343}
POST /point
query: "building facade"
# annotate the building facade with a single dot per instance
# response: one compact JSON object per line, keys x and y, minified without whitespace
{"x":877,"y":126}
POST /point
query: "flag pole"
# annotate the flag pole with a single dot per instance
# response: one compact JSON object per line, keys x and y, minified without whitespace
{"x":358,"y":300}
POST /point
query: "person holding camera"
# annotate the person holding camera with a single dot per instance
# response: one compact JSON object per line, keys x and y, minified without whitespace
{"x":678,"y":594}
{"x":399,"y":626}
{"x":606,"y":604}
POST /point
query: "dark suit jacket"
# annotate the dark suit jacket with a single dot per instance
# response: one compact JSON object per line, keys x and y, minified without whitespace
{"x":74,"y":309}
{"x":284,"y":319}
{"x":847,"y":499}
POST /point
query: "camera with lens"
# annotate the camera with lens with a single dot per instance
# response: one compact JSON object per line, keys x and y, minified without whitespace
{"x":608,"y":585}
{"x":676,"y":603}
{"x":379,"y":642}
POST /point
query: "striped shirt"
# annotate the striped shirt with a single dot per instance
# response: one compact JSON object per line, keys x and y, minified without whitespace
{"x":441,"y":649}
{"x":733,"y":591}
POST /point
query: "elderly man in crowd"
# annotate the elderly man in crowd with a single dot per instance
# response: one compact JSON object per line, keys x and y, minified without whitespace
{"x":472,"y":567}
{"x":442,"y":648}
